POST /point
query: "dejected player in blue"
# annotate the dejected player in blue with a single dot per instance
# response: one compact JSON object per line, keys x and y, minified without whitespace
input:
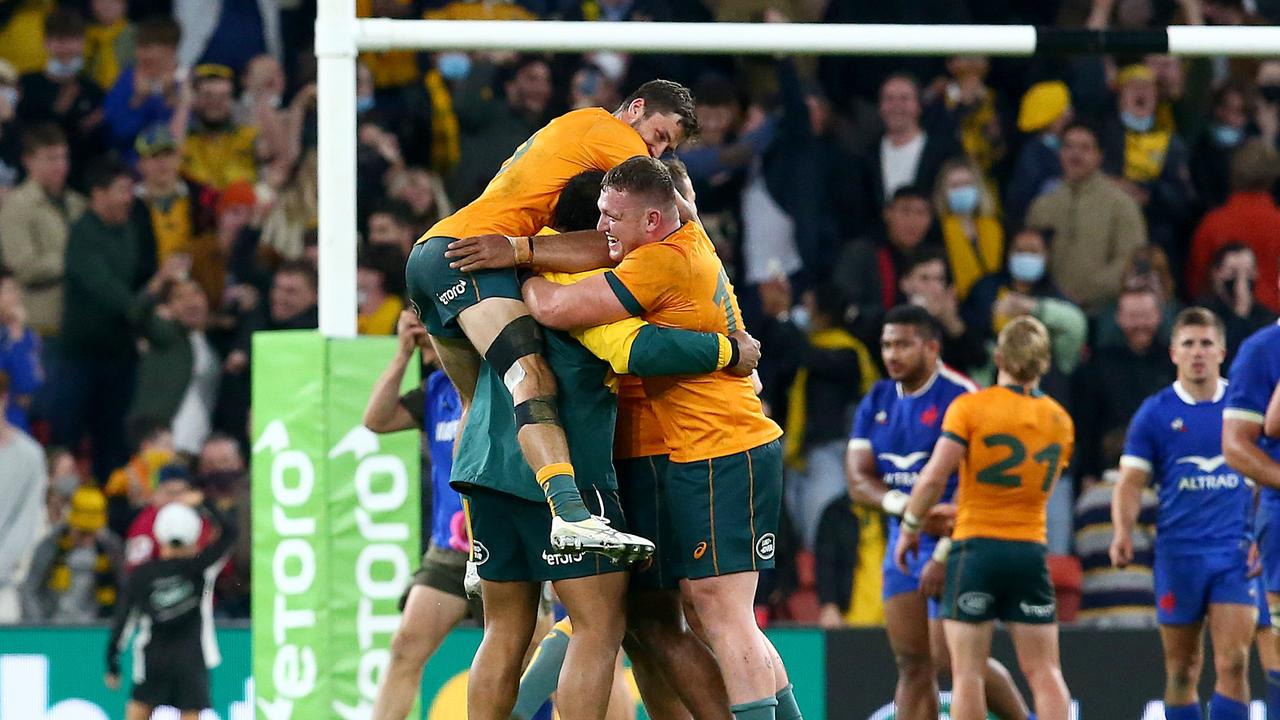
{"x":894,"y":431}
{"x":1202,"y":528}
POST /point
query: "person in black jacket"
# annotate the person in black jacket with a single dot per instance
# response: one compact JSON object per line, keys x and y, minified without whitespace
{"x":170,"y":601}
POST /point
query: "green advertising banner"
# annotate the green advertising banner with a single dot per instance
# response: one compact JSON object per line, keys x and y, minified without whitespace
{"x":335,"y":525}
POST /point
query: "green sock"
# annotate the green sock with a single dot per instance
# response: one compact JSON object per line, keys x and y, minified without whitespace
{"x":787,"y":707}
{"x":540,"y":679}
{"x":762,"y":709}
{"x":562,"y":492}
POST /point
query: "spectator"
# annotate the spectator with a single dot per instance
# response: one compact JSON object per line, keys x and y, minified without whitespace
{"x":1044,"y":115}
{"x":129,"y":488}
{"x":260,"y":108}
{"x":423,"y":191}
{"x":971,"y":232}
{"x":1149,"y":161}
{"x":64,"y":480}
{"x":217,"y":151}
{"x":1096,"y":225}
{"x":1232,"y":279}
{"x":110,"y":42}
{"x":148,"y":92}
{"x":23,"y":480}
{"x":391,"y":224}
{"x":1250,"y":216}
{"x":1211,"y":156}
{"x":590,"y":87}
{"x":1109,"y":597}
{"x":34,"y":225}
{"x":172,"y":483}
{"x":905,"y":154}
{"x":379,"y":290}
{"x":295,"y":211}
{"x":869,"y":269}
{"x":848,"y":554}
{"x":927,"y":283}
{"x":20,"y":353}
{"x":814,"y":386}
{"x":230,"y":32}
{"x":109,"y":261}
{"x":22,"y":34}
{"x":1129,"y":373}
{"x":10,"y":140}
{"x":177,"y":211}
{"x":62,"y":94}
{"x":179,"y":371}
{"x":1146,"y":268}
{"x":234,"y":271}
{"x":77,"y":569}
{"x":222,"y":476}
{"x":961,"y":105}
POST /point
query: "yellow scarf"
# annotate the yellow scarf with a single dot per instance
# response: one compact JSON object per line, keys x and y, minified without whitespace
{"x":445,"y":149}
{"x":830,"y":339}
{"x":974,"y":132}
{"x":1144,"y":155}
{"x":866,"y":607}
{"x":971,"y":261}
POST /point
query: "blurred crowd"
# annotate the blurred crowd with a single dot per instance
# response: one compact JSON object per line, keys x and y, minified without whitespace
{"x":158,"y":206}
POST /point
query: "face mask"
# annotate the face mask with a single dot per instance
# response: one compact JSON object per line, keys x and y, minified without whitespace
{"x":1026,"y":267}
{"x":9,"y":94}
{"x":800,"y":318}
{"x":1138,"y":124}
{"x":1051,"y":141}
{"x":362,"y":297}
{"x":454,"y":66}
{"x":1227,"y":135}
{"x":364,"y":104}
{"x":1270,"y":93}
{"x":65,"y":485}
{"x":222,"y":480}
{"x":63,"y":70}
{"x":963,"y":200}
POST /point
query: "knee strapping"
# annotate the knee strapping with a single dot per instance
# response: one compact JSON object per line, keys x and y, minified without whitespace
{"x":539,"y":410}
{"x":521,"y":337}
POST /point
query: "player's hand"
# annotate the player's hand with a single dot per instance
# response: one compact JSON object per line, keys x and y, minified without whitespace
{"x":940,"y":520}
{"x":908,"y":542}
{"x":112,"y":681}
{"x":1121,"y":550}
{"x":932,"y":578}
{"x":748,"y":354}
{"x":1254,"y":561}
{"x":411,"y":332}
{"x":481,"y":252}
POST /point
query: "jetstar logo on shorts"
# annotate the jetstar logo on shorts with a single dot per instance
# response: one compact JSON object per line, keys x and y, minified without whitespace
{"x":975,"y":603}
{"x":699,"y":551}
{"x":1036,"y":611}
{"x":554,"y":559}
{"x":479,"y":553}
{"x":765,"y":547}
{"x":453,"y":293}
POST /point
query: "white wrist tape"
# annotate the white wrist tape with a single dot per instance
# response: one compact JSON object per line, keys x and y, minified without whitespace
{"x":894,"y":502}
{"x":910,"y":522}
{"x":941,"y":550}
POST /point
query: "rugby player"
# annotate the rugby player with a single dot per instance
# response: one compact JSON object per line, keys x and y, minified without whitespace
{"x":1202,"y":532}
{"x":1255,"y":372}
{"x":894,"y":430}
{"x":725,"y":458}
{"x":480,"y":314}
{"x":1011,"y":444}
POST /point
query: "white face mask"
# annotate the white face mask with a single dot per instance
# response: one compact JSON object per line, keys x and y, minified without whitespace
{"x":9,"y":94}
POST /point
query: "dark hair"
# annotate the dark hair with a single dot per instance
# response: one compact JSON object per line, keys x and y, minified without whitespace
{"x":158,"y":30}
{"x":677,"y":168}
{"x":1219,"y":255}
{"x":1087,"y":127}
{"x":925,"y":255}
{"x":41,"y":136}
{"x":717,"y":91}
{"x":1045,"y":234}
{"x":508,"y":72}
{"x":387,"y":260}
{"x":101,"y":173}
{"x":576,"y":208}
{"x":397,"y":210}
{"x":831,"y":300}
{"x":1199,"y":317}
{"x":644,"y":176}
{"x":144,"y":429}
{"x":665,"y":96}
{"x":919,"y":318}
{"x":904,"y":76}
{"x":303,"y":268}
{"x":64,"y":23}
{"x":909,"y":192}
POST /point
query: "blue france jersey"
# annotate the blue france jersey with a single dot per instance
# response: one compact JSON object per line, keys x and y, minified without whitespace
{"x":440,"y":420}
{"x":1254,"y":375}
{"x":901,"y":430}
{"x":1204,"y":504}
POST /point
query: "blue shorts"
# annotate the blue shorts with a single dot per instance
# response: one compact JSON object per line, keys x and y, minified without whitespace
{"x":1269,"y":544}
{"x":1187,"y":584}
{"x":896,"y":582}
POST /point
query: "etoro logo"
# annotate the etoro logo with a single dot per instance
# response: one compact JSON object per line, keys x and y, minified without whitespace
{"x":453,"y":293}
{"x":975,"y":603}
{"x":765,"y":546}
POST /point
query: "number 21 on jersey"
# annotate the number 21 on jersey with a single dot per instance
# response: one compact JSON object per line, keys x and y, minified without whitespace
{"x":998,"y":473}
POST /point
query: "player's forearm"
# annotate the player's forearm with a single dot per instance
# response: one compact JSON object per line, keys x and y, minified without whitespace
{"x":672,"y":351}
{"x":926,"y":493}
{"x":1127,"y":501}
{"x":570,"y":252}
{"x":1240,"y":448}
{"x":380,"y":412}
{"x":1271,"y":423}
{"x":865,"y":484}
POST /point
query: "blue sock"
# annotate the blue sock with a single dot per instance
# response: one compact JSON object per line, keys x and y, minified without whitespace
{"x":1183,"y":712}
{"x":1031,"y":716}
{"x":1273,"y":693}
{"x":1222,"y":707}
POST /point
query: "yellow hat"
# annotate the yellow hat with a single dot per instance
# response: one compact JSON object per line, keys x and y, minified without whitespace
{"x":1043,"y":103}
{"x":88,"y":510}
{"x":1137,"y":71}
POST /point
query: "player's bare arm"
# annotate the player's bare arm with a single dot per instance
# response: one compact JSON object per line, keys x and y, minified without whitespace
{"x":1125,"y":506}
{"x":570,"y":252}
{"x":868,"y":488}
{"x":929,"y":487}
{"x":384,"y":413}
{"x":1240,"y":447}
{"x":586,"y":303}
{"x":1271,"y":423}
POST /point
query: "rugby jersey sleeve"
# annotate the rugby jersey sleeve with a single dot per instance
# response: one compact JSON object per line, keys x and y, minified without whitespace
{"x":1140,"y":447}
{"x":957,"y":424}
{"x":1250,"y":385}
{"x":649,"y":277}
{"x":860,"y":434}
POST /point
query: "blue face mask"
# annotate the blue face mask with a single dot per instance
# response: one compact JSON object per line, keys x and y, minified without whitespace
{"x":1051,"y":141}
{"x":454,"y":66}
{"x":1026,"y":267}
{"x":1227,"y":135}
{"x":1138,"y":124}
{"x":963,"y":200}
{"x":800,"y":318}
{"x":364,"y":104}
{"x":63,"y":70}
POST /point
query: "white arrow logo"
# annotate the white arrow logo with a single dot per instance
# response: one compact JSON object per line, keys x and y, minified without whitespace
{"x":1205,"y":465}
{"x":361,"y":441}
{"x":904,"y":462}
{"x":275,"y":437}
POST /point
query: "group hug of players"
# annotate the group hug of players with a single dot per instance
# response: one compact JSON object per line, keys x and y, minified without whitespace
{"x":596,"y":363}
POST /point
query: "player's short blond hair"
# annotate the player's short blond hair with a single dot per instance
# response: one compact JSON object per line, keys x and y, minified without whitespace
{"x":1024,"y":350}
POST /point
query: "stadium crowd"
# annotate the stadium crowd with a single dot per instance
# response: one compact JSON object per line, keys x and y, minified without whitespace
{"x":158,"y":206}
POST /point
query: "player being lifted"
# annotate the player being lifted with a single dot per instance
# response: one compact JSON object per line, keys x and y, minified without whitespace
{"x":481,"y":314}
{"x":1202,"y":532}
{"x":894,"y":430}
{"x":1011,"y":443}
{"x":725,"y":461}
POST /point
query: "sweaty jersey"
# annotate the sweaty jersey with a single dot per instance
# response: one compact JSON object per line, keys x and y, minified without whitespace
{"x":522,"y":197}
{"x":638,"y":434}
{"x":1204,"y":504}
{"x":900,"y":429}
{"x":679,"y":282}
{"x":1254,"y":375}
{"x":1016,"y":445}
